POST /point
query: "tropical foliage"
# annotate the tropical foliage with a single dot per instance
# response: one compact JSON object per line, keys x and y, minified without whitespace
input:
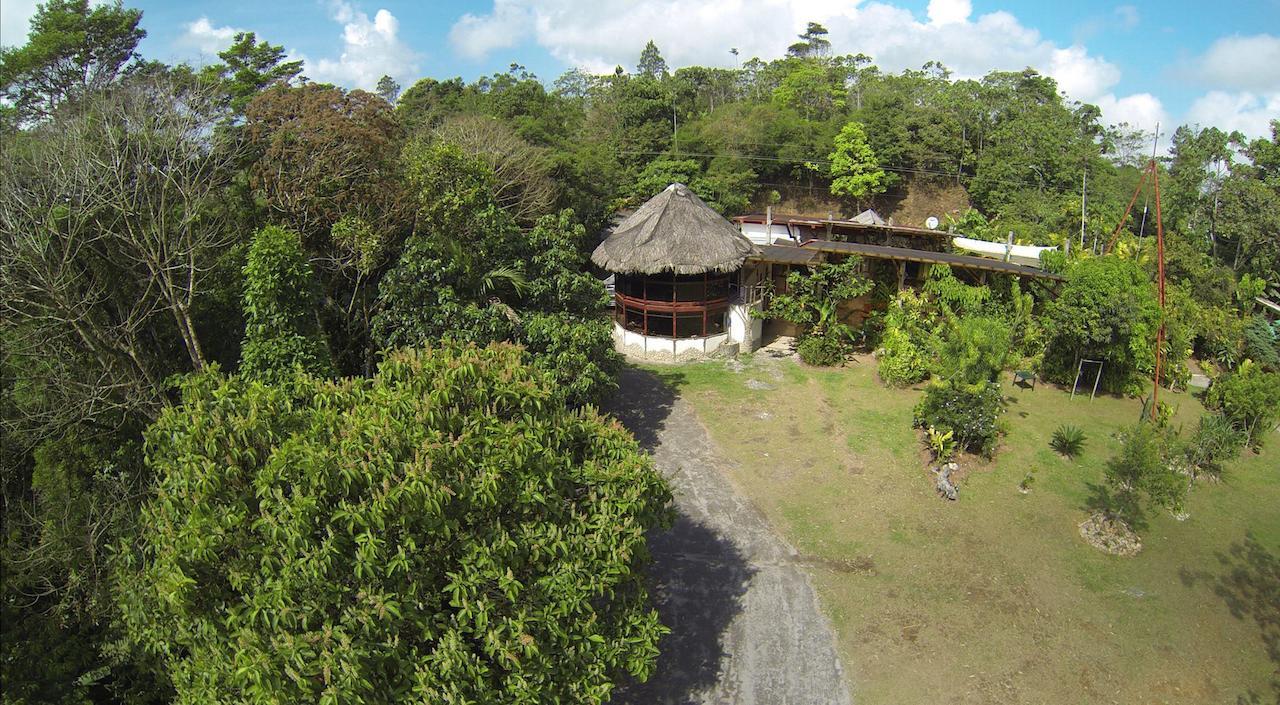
{"x":487,"y":545}
{"x":231,"y":224}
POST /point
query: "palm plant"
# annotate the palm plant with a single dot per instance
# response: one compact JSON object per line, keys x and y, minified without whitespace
{"x":1068,"y":440}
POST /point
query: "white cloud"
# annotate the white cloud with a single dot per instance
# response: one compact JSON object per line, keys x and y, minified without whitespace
{"x":371,"y":48}
{"x":475,"y":37}
{"x":948,"y":11}
{"x":206,"y":38}
{"x":599,"y":34}
{"x":1239,"y":63}
{"x":1250,"y":113}
{"x":1140,"y":110}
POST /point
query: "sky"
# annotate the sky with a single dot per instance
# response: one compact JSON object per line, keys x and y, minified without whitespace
{"x":1173,"y":62}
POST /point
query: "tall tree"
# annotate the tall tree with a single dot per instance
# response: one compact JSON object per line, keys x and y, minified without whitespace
{"x":813,"y":42}
{"x":109,"y":225}
{"x":72,"y":50}
{"x":388,"y":89}
{"x":651,"y":62}
{"x":854,"y":171}
{"x":249,"y":67}
{"x":323,"y":153}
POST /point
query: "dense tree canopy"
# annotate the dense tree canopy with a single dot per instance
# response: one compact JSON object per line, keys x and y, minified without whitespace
{"x":487,"y":547}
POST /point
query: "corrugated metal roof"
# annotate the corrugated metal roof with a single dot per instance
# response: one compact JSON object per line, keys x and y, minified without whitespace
{"x":786,"y":219}
{"x":786,"y":254}
{"x":910,"y":255}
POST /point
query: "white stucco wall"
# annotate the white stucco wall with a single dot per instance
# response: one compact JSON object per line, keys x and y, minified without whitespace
{"x":743,"y":329}
{"x":655,"y":348}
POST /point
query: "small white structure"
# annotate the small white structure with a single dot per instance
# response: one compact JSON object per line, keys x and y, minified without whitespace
{"x":679,"y":288}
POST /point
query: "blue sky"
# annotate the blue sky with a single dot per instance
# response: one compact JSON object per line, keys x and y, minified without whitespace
{"x":1174,"y":61}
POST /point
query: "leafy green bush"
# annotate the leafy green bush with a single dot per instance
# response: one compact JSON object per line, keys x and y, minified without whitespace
{"x":578,"y":353}
{"x":1106,"y":311}
{"x":1262,"y":343}
{"x":280,"y":301}
{"x":970,"y":412}
{"x":443,"y":532}
{"x":1215,"y":442}
{"x":1141,"y":474}
{"x":899,"y":361}
{"x":904,"y":355}
{"x":823,"y":351}
{"x":1249,"y":398}
{"x":974,"y":349}
{"x":1068,"y":440}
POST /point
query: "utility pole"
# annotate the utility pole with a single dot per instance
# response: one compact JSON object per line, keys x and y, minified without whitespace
{"x":675,"y":141}
{"x":1084,"y":184}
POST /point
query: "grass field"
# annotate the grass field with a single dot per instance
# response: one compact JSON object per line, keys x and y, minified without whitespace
{"x":996,"y":598}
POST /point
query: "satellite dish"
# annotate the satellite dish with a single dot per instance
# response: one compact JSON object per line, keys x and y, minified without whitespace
{"x":931,"y":223}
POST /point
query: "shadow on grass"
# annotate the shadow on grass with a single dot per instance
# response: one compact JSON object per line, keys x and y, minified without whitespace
{"x":1102,"y":499}
{"x":643,"y":402}
{"x":698,"y":578}
{"x":1250,"y":586}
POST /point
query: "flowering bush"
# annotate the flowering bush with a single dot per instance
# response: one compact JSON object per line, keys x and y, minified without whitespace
{"x":970,"y":412}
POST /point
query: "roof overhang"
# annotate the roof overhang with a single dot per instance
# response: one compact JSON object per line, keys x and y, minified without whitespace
{"x":910,"y":255}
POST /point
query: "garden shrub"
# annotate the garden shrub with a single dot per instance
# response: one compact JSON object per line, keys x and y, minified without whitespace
{"x":906,"y":348}
{"x":1262,"y":343}
{"x":971,"y":412}
{"x":1106,"y":311}
{"x":899,"y":361}
{"x":974,"y":349}
{"x":1215,"y":442}
{"x":1068,"y":440}
{"x":1249,"y":398}
{"x":825,"y":350}
{"x":812,"y":302}
{"x":446,"y":531}
{"x":1141,"y":474}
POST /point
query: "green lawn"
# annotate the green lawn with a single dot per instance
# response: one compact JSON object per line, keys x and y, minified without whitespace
{"x":996,"y":598}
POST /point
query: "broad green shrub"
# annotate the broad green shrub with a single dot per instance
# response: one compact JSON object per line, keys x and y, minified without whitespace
{"x":1249,"y":398}
{"x":971,"y":412}
{"x":446,"y":531}
{"x":1215,"y":442}
{"x":1141,"y":475}
{"x":899,"y":361}
{"x":281,"y":330}
{"x":578,"y":353}
{"x":905,"y":353}
{"x":1106,"y":311}
{"x":974,"y":349}
{"x":823,"y":351}
{"x":1262,"y":343}
{"x":1068,"y":440}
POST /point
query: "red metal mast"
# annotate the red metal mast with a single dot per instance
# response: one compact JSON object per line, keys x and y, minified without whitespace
{"x":1155,"y":391}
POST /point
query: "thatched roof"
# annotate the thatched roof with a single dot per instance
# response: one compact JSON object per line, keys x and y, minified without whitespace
{"x":673,"y":231}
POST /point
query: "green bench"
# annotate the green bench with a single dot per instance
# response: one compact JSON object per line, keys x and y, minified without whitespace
{"x":1025,"y":378}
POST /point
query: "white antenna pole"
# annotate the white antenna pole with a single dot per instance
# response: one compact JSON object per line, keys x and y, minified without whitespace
{"x":1084,"y":183}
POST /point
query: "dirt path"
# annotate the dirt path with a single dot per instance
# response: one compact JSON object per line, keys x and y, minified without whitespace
{"x":745,"y":622}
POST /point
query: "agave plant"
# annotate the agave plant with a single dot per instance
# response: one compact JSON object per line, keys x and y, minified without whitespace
{"x":1068,"y":440}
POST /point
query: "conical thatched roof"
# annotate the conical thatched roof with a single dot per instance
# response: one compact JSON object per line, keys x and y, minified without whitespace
{"x":673,"y":231}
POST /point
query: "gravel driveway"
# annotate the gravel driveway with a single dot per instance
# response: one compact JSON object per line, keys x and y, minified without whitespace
{"x":746,"y":627}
